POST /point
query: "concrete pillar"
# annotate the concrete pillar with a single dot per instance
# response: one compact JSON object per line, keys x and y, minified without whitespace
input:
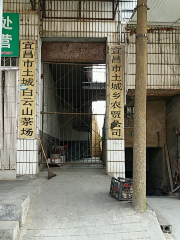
{"x":139,"y":148}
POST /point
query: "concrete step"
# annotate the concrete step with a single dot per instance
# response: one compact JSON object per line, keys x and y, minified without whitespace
{"x":9,"y":230}
{"x":14,"y":209}
{"x":13,"y":213}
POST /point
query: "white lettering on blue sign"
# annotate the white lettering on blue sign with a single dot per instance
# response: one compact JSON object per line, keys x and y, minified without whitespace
{"x":23,"y":87}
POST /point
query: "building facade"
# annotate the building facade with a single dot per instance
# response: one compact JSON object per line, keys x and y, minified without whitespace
{"x":67,"y":40}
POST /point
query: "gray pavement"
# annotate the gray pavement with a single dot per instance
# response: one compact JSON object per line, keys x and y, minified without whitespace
{"x":76,"y":205}
{"x":169,"y":207}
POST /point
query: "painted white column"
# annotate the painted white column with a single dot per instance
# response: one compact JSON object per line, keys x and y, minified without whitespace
{"x":115,"y":158}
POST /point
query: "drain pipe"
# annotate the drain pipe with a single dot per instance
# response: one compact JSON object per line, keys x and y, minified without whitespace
{"x":139,"y":145}
{"x":1,"y":112}
{"x":1,"y":18}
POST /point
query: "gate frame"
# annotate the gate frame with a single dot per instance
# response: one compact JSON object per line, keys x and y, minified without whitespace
{"x":63,"y":113}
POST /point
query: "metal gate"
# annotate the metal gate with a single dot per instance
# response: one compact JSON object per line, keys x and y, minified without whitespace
{"x":70,"y":130}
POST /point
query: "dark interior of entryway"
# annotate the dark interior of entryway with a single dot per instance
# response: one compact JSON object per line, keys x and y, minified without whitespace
{"x":70,"y":131}
{"x":154,"y":169}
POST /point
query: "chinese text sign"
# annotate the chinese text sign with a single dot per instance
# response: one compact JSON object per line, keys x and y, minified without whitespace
{"x":116,"y":104}
{"x":10,"y":35}
{"x":27,"y":89}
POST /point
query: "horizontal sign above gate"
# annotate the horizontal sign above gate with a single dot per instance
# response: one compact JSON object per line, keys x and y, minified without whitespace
{"x":76,"y":52}
{"x":10,"y":35}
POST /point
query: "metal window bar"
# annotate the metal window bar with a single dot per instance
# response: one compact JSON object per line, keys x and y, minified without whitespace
{"x":163,"y":63}
{"x":9,"y":62}
{"x":86,"y":19}
{"x":67,"y":108}
{"x":79,"y":10}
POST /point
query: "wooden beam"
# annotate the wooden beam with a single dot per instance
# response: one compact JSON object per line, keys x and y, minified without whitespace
{"x":114,"y":14}
{"x":33,"y":4}
{"x":42,"y":5}
{"x":75,"y":113}
{"x":168,"y":166}
{"x":79,"y":8}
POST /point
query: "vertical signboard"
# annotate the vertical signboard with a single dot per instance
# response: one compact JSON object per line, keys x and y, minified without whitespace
{"x":116,"y":104}
{"x":10,"y":35}
{"x":27,"y":89}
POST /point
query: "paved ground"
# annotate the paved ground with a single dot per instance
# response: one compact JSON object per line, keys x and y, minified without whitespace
{"x":169,"y":207}
{"x":75,"y":205}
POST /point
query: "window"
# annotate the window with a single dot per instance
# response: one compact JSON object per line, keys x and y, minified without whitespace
{"x":130,"y":112}
{"x":9,"y":62}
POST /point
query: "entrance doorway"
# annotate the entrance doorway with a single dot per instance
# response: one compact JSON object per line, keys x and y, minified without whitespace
{"x":154,"y":169}
{"x":70,"y":130}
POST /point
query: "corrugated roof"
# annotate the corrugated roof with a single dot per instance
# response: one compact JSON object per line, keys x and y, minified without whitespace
{"x":161,"y":13}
